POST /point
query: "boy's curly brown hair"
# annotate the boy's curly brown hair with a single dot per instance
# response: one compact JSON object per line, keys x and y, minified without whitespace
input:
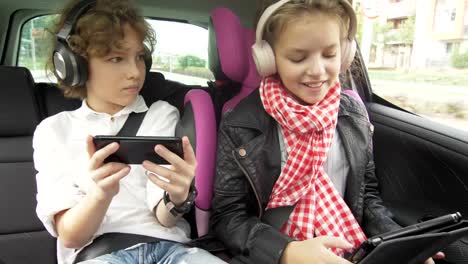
{"x":98,"y":31}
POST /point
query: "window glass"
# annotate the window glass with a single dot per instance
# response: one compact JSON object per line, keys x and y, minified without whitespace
{"x":172,"y":56}
{"x":35,"y":47}
{"x":181,"y":52}
{"x":416,"y":53}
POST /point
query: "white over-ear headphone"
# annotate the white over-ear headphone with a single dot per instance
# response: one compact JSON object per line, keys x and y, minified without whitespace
{"x":264,"y":56}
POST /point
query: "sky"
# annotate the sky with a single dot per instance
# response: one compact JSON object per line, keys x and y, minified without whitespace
{"x":180,"y":38}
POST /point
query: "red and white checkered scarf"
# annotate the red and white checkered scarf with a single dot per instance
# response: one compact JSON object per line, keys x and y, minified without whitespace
{"x":308,"y":132}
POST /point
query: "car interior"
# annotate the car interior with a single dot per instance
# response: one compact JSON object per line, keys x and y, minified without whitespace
{"x":422,"y":166}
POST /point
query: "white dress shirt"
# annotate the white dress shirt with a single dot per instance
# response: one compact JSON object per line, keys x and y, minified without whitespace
{"x":61,"y":159}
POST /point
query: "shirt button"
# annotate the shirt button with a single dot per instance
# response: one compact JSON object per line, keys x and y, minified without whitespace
{"x":242,"y":152}
{"x":112,"y":119}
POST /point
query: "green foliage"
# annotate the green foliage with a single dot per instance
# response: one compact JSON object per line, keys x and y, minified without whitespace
{"x":460,"y":60}
{"x":36,"y":43}
{"x":196,"y":72}
{"x":190,"y":60}
{"x":403,"y":35}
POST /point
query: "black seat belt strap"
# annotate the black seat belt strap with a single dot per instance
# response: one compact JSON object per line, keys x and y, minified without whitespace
{"x":132,"y":124}
{"x":277,"y":217}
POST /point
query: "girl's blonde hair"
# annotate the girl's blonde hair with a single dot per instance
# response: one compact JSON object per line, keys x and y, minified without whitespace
{"x":98,"y":31}
{"x":296,"y":9}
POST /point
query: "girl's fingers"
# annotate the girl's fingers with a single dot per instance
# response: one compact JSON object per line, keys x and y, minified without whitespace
{"x":334,"y":242}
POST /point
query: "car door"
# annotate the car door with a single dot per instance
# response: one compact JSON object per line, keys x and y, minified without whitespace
{"x":422,"y":165}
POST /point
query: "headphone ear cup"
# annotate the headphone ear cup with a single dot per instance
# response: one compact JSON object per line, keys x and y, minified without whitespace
{"x":148,"y":59}
{"x":70,"y":68}
{"x":348,"y":50}
{"x":264,"y":58}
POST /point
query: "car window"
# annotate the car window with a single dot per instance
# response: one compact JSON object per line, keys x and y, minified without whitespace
{"x":417,"y":58}
{"x":181,"y":51}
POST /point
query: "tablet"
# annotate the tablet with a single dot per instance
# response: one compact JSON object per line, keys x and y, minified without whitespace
{"x":429,"y":226}
{"x":134,"y":150}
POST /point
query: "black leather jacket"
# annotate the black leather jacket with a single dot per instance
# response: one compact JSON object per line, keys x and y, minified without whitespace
{"x":249,"y":163}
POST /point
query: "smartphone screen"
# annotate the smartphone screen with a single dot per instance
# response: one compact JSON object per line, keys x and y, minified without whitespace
{"x":134,"y":150}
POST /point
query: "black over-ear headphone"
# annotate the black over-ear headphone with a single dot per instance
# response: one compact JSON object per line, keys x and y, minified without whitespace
{"x":69,"y":67}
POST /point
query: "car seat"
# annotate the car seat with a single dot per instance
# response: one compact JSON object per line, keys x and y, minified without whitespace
{"x":23,"y":239}
{"x":197,"y":122}
{"x":230,"y":49}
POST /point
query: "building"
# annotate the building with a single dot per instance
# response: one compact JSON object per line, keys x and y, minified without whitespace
{"x":413,"y":33}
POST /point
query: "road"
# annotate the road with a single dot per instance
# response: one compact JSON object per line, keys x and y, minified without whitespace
{"x":426,"y":96}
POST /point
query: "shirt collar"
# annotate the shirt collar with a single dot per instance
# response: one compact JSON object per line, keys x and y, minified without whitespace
{"x":137,"y":106}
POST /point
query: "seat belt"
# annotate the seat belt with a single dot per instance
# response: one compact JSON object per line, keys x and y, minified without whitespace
{"x":278,"y":216}
{"x":110,"y":242}
{"x":132,"y":124}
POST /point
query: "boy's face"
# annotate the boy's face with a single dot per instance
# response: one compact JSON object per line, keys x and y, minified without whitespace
{"x":307,"y":54}
{"x":116,"y":79}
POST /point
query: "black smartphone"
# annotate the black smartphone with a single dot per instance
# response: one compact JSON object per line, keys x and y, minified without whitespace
{"x":428,"y":226}
{"x":134,"y":150}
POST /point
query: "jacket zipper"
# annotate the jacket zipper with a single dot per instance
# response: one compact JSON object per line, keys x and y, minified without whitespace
{"x":247,"y":175}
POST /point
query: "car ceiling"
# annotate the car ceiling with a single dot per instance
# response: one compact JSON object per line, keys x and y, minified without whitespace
{"x":194,"y":11}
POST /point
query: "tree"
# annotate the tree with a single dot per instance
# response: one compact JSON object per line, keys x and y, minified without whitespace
{"x":36,"y":41}
{"x":191,"y":60}
{"x":404,"y":35}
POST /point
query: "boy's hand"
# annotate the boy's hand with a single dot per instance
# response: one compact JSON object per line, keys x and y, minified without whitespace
{"x":178,"y":177}
{"x":106,"y":176}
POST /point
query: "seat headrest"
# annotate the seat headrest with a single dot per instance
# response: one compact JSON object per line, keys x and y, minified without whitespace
{"x":230,"y":48}
{"x":52,"y":101}
{"x":156,"y":87}
{"x":19,"y":111}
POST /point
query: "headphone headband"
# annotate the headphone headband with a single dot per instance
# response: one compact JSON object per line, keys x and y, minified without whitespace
{"x":77,"y":11}
{"x":272,"y":8}
{"x":264,"y":17}
{"x":69,"y":67}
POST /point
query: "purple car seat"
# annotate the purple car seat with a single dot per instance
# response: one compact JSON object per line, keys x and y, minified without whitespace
{"x":231,"y":54}
{"x":199,"y":124}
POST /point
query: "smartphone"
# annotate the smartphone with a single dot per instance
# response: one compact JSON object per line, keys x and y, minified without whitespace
{"x":134,"y":150}
{"x":428,"y":226}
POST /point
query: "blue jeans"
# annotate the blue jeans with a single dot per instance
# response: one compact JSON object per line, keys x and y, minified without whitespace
{"x":162,"y":252}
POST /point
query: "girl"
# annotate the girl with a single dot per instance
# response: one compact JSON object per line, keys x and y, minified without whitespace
{"x":298,"y":143}
{"x":99,"y":56}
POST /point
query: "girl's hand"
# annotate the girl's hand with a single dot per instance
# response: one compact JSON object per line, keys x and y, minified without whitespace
{"x":178,"y":177}
{"x":105,"y":176}
{"x":438,"y":255}
{"x":315,"y":250}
